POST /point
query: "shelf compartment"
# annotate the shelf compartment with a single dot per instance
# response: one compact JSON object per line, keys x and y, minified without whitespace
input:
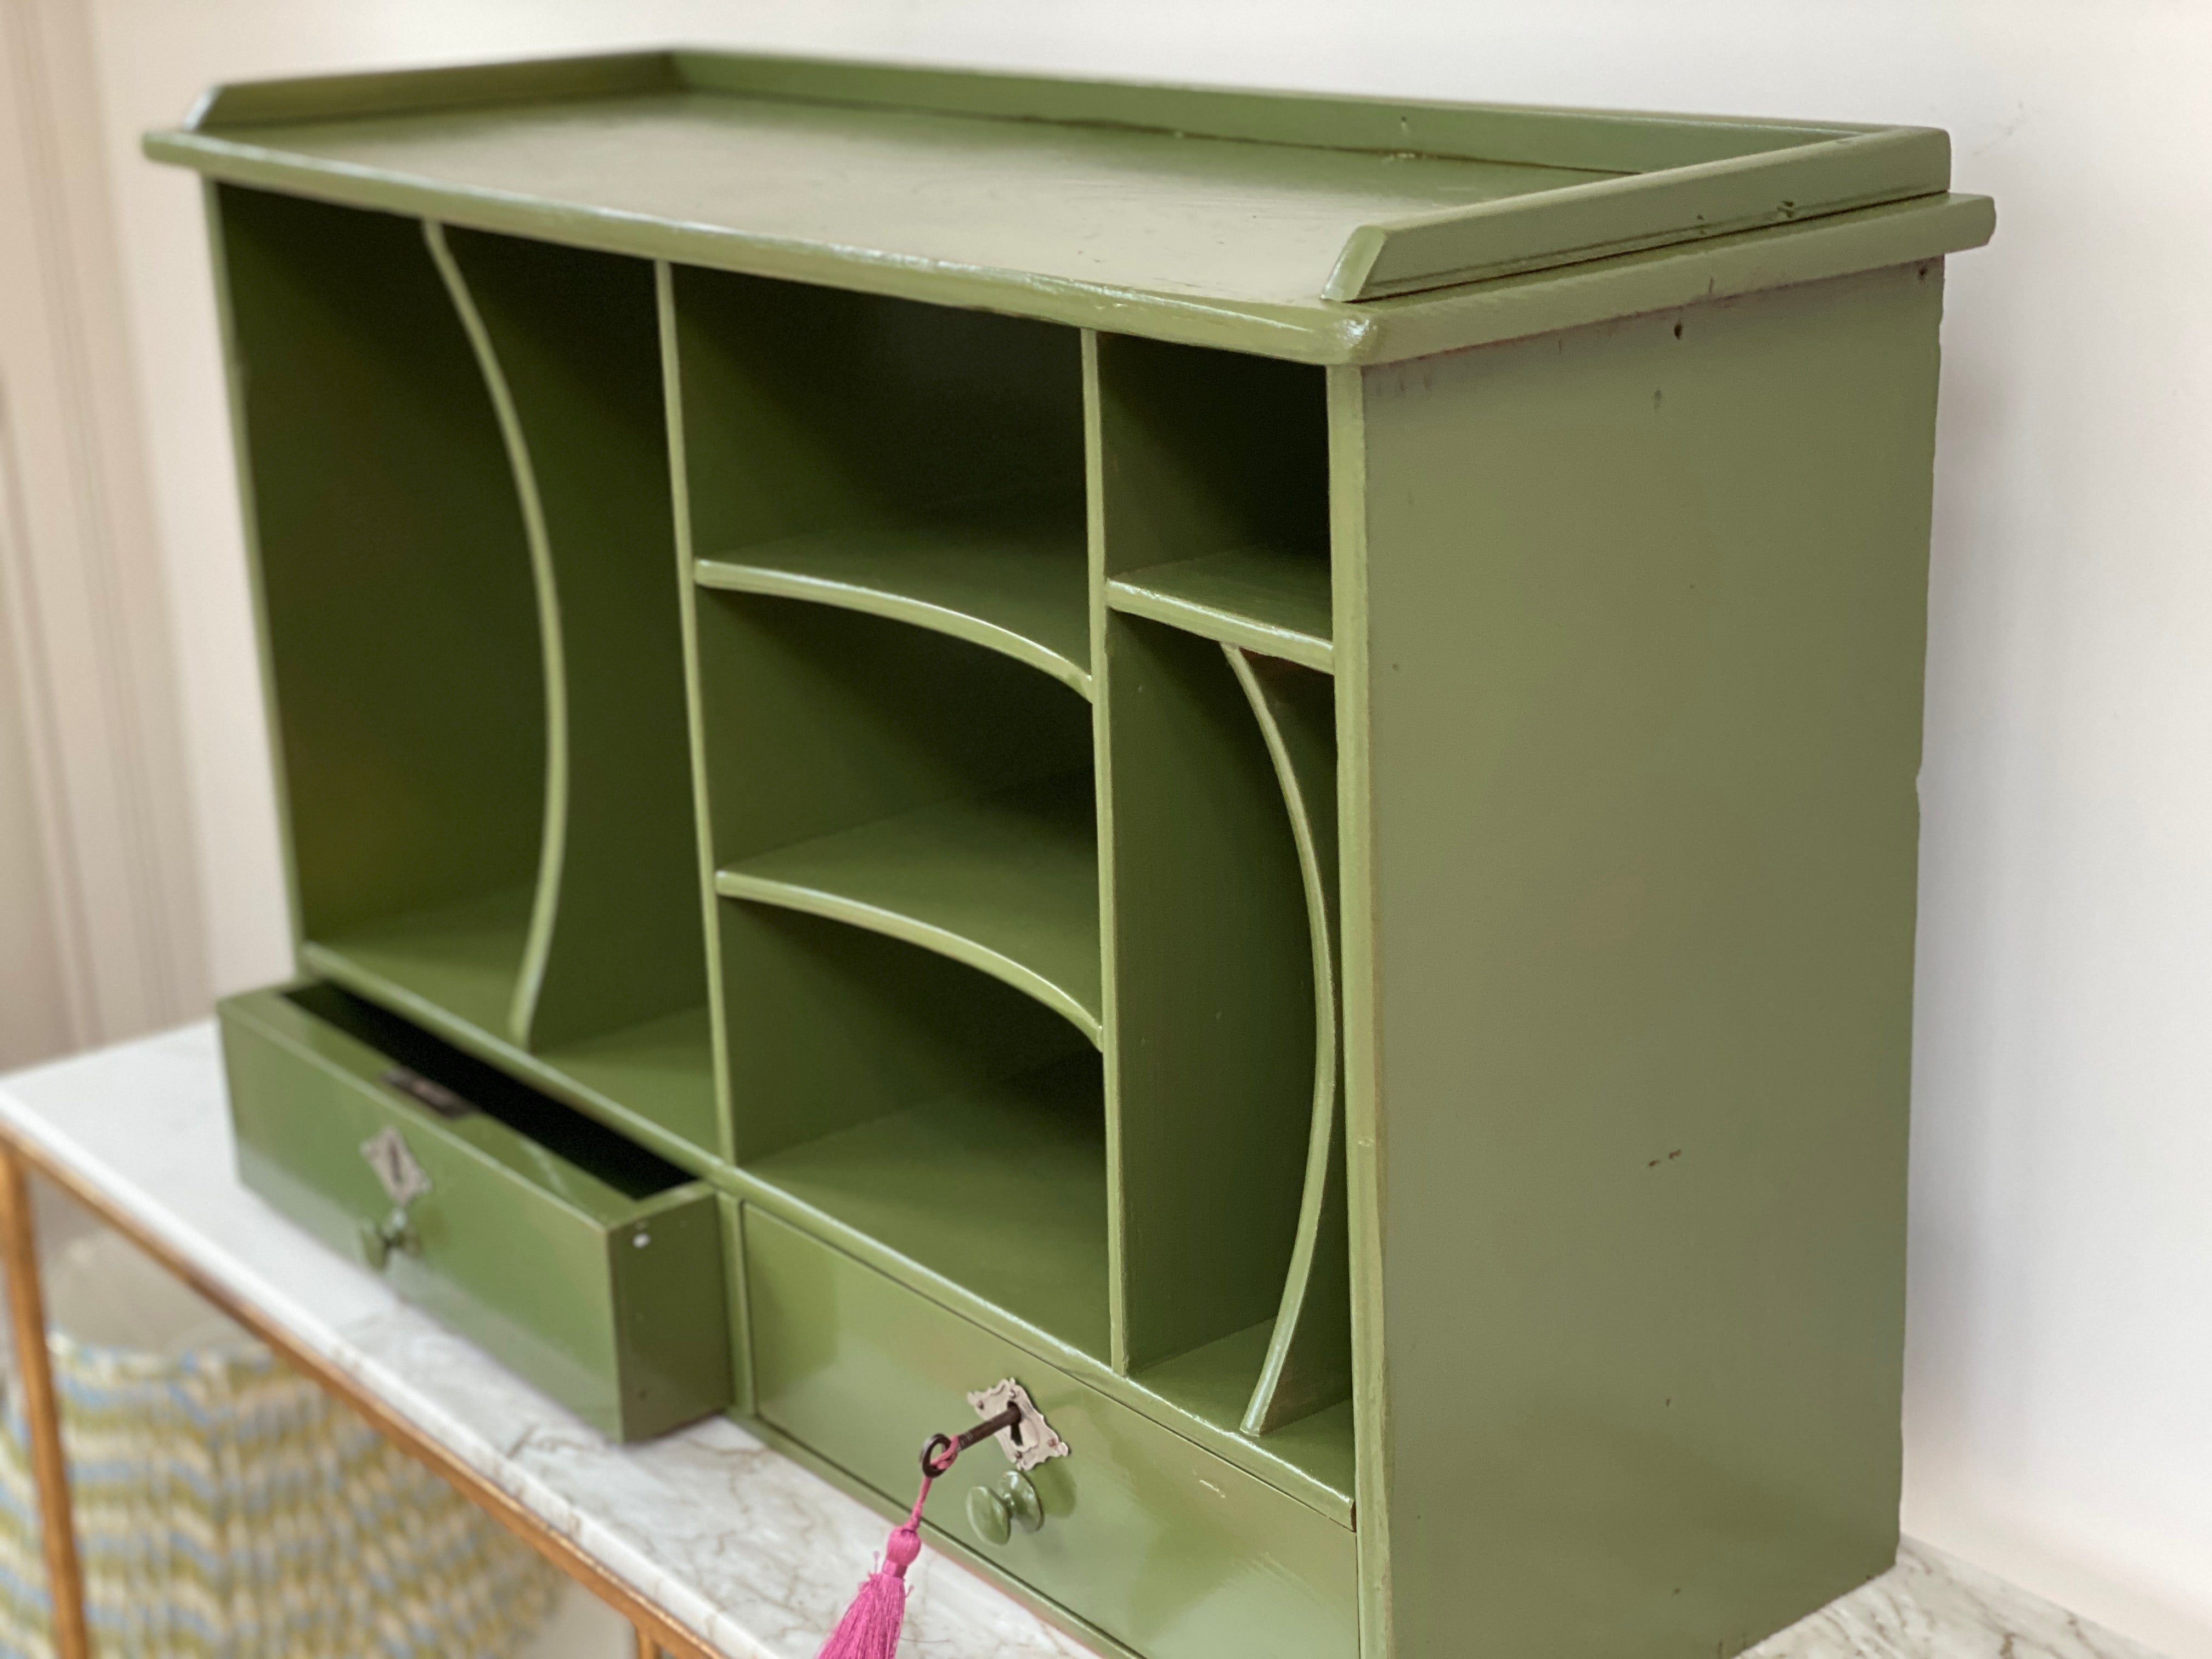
{"x":1210,"y":1029}
{"x":911,"y":460}
{"x":999,"y":1190}
{"x":1005,"y":571}
{"x":398,"y":607}
{"x":660,"y":1069}
{"x":1213,"y":1384}
{"x":926,"y":1106}
{"x":1006,"y":882}
{"x":568,"y":342}
{"x":1269,"y":599}
{"x":1211,"y":474}
{"x":457,"y":463}
{"x":860,"y":770}
{"x":1308,"y":1364}
{"x":441,"y":963}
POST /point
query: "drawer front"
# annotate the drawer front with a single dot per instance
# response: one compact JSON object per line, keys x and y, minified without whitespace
{"x":1159,"y":1544}
{"x":530,"y":1255}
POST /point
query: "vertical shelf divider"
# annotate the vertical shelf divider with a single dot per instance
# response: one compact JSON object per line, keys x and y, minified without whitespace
{"x":680,"y":487}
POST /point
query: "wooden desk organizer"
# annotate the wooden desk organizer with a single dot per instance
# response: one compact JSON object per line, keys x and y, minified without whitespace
{"x":1250,"y":757}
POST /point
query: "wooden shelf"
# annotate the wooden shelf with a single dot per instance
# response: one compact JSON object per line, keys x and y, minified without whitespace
{"x":454,"y":960}
{"x":1214,"y":1384}
{"x":1269,"y":599}
{"x":1006,"y":573}
{"x":1006,"y":882}
{"x":661,"y":1070}
{"x":1001,"y":1191}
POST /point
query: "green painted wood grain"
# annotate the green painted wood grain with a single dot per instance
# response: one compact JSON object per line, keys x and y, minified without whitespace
{"x":1273,"y":601}
{"x":999,"y":1189}
{"x":809,"y":410}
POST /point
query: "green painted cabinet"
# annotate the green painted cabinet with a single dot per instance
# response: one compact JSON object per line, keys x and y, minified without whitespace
{"x":1249,"y":757}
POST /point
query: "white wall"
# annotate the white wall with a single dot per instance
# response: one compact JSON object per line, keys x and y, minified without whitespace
{"x":101,"y":936}
{"x":2059,"y":1414}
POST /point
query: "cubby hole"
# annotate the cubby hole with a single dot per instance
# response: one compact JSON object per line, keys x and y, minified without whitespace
{"x":457,"y":451}
{"x":914,"y":461}
{"x":616,"y":991}
{"x":906,"y":781}
{"x":1224,"y":1062}
{"x":402,"y":632}
{"x":925,"y":1107}
{"x":904,"y":831}
{"x":1213,"y":475}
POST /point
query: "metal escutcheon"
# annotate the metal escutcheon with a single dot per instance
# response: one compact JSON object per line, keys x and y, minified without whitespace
{"x":1009,"y":1504}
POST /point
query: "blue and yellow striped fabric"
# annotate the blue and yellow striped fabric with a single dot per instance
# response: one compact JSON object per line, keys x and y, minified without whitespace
{"x":228,"y":1508}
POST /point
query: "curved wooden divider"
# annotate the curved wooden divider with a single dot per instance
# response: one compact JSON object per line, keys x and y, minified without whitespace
{"x":1308,"y":1360}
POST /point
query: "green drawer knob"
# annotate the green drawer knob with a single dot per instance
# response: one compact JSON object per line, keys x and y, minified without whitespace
{"x":997,"y":1511}
{"x":379,"y":1239}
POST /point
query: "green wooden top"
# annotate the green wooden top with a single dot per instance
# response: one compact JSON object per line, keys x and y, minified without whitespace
{"x":1324,"y":228}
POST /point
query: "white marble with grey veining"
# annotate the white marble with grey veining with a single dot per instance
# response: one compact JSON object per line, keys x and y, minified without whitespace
{"x":733,"y":1541}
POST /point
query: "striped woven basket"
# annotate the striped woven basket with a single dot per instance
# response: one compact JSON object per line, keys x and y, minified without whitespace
{"x":227,"y":1506}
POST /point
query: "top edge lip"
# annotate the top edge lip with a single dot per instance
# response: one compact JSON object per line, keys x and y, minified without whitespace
{"x":1636,"y":184}
{"x":687,"y":67}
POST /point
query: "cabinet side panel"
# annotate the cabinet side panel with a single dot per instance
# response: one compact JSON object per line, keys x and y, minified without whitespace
{"x":1633,"y":884}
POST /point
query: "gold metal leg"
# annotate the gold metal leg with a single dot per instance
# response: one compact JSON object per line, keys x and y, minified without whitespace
{"x":27,"y":1313}
{"x":647,"y":1647}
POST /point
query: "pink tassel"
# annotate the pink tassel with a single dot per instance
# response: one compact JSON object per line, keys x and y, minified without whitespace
{"x":870,"y":1628}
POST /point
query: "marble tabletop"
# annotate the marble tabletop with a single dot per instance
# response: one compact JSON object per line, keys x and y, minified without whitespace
{"x":733,"y":1541}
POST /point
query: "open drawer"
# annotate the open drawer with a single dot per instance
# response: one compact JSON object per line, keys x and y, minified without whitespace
{"x":572,"y":1255}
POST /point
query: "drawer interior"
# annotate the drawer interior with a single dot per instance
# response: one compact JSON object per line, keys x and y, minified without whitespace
{"x":552,"y":1145}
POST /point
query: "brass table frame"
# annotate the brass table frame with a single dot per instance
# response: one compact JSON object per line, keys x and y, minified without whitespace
{"x":19,"y":1260}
